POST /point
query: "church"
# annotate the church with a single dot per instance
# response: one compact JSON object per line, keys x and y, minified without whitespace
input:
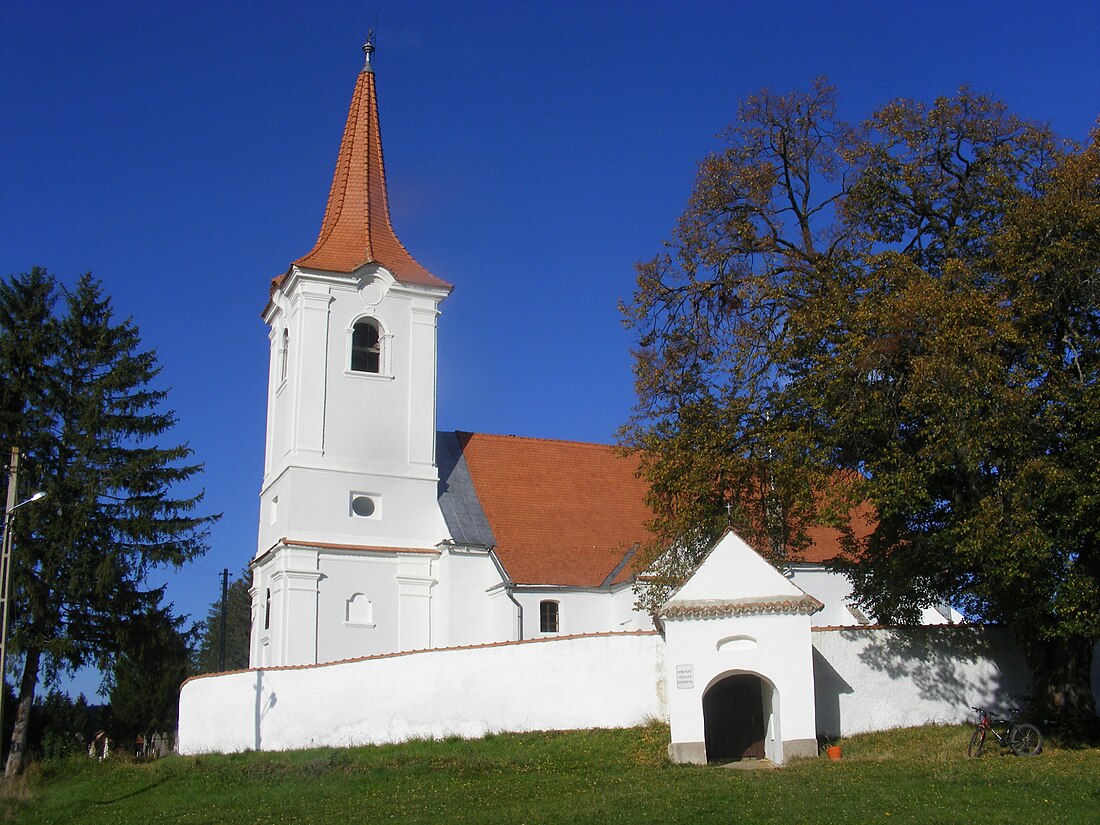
{"x":379,"y":534}
{"x":454,"y":583}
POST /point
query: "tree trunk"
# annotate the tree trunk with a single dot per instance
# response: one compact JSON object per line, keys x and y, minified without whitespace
{"x":1061,"y":681}
{"x":18,"y":754}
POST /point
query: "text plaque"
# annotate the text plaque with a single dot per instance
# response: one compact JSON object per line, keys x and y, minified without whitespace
{"x":685,"y":676}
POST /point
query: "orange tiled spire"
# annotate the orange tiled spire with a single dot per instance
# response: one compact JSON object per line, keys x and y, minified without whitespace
{"x":356,"y":229}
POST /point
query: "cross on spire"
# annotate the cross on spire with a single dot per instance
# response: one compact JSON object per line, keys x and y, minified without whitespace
{"x":368,"y":50}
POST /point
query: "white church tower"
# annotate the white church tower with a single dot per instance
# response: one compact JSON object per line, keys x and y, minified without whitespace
{"x":349,"y":518}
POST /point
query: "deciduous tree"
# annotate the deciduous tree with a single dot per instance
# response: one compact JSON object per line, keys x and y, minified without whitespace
{"x":937,"y":360}
{"x":712,"y":314}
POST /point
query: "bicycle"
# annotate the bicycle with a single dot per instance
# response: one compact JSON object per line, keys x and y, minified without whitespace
{"x":1021,"y":738}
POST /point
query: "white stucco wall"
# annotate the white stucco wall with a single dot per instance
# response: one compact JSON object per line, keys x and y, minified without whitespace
{"x":379,"y":577}
{"x":470,"y":606}
{"x":583,"y":611}
{"x":831,"y":589}
{"x":612,"y":680}
{"x":877,"y":678}
{"x":417,"y":600}
{"x":733,"y":570}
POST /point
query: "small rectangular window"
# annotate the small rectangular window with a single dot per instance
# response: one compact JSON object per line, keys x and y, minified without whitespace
{"x":548,"y":617}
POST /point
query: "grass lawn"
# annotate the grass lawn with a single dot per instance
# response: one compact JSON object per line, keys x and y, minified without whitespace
{"x":919,"y":775}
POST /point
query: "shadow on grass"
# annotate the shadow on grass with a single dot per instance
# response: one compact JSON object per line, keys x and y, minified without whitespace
{"x":132,"y":794}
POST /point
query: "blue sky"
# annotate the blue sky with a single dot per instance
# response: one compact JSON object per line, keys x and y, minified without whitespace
{"x":183,"y":151}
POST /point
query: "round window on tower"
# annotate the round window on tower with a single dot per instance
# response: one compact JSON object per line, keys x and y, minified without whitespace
{"x":362,"y":506}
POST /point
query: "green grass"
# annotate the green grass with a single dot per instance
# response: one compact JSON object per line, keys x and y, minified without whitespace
{"x":919,"y":775}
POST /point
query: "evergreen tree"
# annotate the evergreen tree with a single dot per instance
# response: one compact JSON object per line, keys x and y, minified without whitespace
{"x":28,"y":350}
{"x":153,"y":661}
{"x":238,"y":627}
{"x":62,"y":726}
{"x":87,"y":418}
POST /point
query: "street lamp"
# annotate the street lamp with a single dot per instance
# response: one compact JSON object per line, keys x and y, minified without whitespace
{"x":5,"y":588}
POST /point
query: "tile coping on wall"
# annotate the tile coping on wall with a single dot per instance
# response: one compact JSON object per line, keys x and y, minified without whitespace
{"x":608,"y":633}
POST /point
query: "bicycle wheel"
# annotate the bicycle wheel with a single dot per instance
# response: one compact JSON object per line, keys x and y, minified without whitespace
{"x":977,"y":742}
{"x":1025,"y":740}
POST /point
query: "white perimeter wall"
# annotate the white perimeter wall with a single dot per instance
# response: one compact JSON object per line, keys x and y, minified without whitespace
{"x":865,"y":679}
{"x":606,"y":681}
{"x":869,"y":679}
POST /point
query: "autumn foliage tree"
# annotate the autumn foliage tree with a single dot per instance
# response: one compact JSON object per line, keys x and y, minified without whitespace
{"x":712,"y":314}
{"x":903,"y":315}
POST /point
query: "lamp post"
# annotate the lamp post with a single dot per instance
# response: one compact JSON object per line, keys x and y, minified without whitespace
{"x":5,"y":571}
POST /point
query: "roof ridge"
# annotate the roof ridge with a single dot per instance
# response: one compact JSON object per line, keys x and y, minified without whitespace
{"x":513,"y":437}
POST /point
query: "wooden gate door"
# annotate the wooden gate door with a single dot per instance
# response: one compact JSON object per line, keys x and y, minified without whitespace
{"x":733,"y":719}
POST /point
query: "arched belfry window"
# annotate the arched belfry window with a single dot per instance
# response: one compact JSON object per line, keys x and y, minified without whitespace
{"x":267,"y":610}
{"x":366,"y":347}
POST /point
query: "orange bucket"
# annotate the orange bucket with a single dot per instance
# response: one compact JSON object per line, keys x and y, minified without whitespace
{"x":833,"y":752}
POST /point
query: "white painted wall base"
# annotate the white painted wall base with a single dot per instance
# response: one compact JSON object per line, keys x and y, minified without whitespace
{"x":865,"y":679}
{"x":570,"y":683}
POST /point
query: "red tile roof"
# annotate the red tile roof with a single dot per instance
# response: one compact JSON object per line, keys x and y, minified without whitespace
{"x":567,"y":513}
{"x":356,"y":229}
{"x":562,"y":512}
{"x":717,"y":609}
{"x":825,"y":541}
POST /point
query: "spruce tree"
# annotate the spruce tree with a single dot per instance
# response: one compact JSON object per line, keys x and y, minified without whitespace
{"x":28,"y":347}
{"x":153,"y":661}
{"x":238,"y":626}
{"x":87,"y":417}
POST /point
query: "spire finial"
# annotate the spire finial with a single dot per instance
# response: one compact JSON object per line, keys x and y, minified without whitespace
{"x":368,"y":50}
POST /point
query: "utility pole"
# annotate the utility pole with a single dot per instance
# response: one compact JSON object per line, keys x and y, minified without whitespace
{"x":5,"y":579}
{"x":5,"y":569}
{"x":225,"y":615}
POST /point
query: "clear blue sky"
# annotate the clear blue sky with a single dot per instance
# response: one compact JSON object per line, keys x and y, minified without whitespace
{"x":182,"y":152}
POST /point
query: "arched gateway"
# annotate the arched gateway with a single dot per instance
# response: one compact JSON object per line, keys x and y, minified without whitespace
{"x":737,"y":637}
{"x":736,"y":717}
